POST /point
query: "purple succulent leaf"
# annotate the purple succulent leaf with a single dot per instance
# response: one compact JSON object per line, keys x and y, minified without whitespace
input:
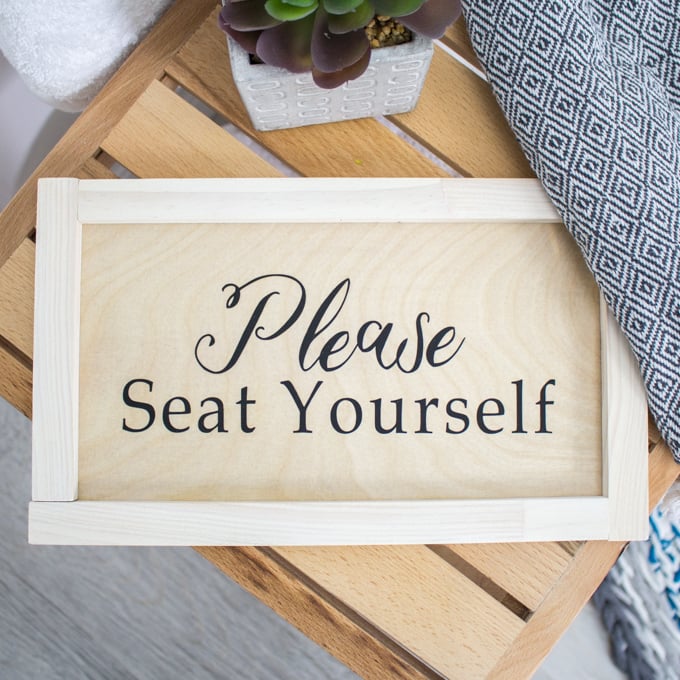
{"x":246,"y":15}
{"x":288,"y":45}
{"x":433,"y":18}
{"x":357,"y":18}
{"x":335,"y":52}
{"x":337,"y":78}
{"x":246,"y":39}
{"x":396,"y":8}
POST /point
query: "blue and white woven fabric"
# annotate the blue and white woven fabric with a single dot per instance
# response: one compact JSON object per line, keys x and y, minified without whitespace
{"x":640,"y":604}
{"x":591,"y":89}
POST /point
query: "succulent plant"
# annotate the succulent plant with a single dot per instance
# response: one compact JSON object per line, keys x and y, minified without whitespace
{"x":326,"y":37}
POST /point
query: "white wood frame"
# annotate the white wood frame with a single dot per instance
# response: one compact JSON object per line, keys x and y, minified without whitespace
{"x":57,"y":517}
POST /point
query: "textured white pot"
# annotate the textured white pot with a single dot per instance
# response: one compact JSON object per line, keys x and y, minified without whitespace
{"x":277,"y":99}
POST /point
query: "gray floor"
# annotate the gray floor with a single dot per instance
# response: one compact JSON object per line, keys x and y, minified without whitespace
{"x":149,"y":613}
{"x":128,"y":612}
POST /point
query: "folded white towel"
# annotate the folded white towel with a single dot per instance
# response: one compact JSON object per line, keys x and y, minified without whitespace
{"x":66,"y":50}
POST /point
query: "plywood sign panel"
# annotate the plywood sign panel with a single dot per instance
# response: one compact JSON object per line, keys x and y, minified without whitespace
{"x":278,"y":366}
{"x":436,"y":370}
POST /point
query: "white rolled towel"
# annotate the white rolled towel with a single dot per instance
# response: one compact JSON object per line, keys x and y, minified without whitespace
{"x":66,"y":50}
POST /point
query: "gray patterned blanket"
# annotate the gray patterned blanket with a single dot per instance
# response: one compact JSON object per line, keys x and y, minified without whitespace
{"x":592,"y":91}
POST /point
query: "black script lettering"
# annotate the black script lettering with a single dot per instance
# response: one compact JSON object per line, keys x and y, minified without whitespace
{"x":338,"y":349}
{"x":340,"y":340}
{"x":334,"y":352}
{"x":379,"y":343}
{"x":148,"y":408}
{"x":252,"y":327}
{"x":302,"y":408}
{"x":329,"y":307}
{"x":440,"y":341}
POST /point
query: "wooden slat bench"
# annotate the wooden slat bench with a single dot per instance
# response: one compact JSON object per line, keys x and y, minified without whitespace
{"x":457,"y":611}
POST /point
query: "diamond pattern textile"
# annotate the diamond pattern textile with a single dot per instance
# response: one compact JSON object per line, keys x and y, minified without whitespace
{"x":592,"y":91}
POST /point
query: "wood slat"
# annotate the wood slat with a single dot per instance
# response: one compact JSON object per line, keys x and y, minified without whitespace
{"x":418,"y":599}
{"x":527,"y":571}
{"x":94,"y":169}
{"x":16,"y":380}
{"x":164,"y":136}
{"x":457,"y":38}
{"x":663,"y":471}
{"x":54,"y":468}
{"x":347,"y":199}
{"x":16,"y":298}
{"x":572,"y":547}
{"x":458,"y":118}
{"x":653,"y":434}
{"x":583,"y":575}
{"x":357,"y":148}
{"x":318,"y":615}
{"x":624,"y":433}
{"x":82,"y":139}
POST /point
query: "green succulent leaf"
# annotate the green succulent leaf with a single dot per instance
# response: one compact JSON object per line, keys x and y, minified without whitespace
{"x":283,"y":10}
{"x":396,"y":8}
{"x":340,"y":6}
{"x":358,"y":18}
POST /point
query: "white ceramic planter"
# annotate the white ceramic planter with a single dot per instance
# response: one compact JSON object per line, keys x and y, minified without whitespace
{"x":277,"y":99}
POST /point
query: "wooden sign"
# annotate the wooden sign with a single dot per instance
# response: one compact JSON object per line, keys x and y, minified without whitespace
{"x":297,"y":361}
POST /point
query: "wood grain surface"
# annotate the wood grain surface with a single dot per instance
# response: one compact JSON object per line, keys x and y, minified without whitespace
{"x":456,"y":122}
{"x":56,"y":332}
{"x":307,"y":523}
{"x":17,"y":280}
{"x":150,"y":292}
{"x":624,"y":432}
{"x":161,"y":135}
{"x":253,"y":200}
{"x":526,"y":571}
{"x":412,"y":583}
